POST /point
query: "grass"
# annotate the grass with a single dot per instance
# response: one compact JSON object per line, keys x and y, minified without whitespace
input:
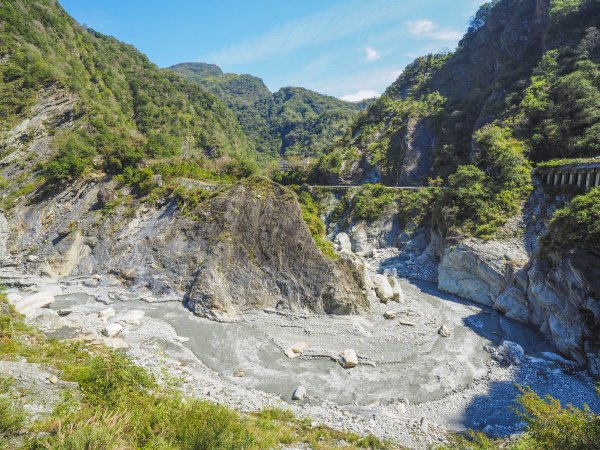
{"x":566,"y":162}
{"x":122,"y":406}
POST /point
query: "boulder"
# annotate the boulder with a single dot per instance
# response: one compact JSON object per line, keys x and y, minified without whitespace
{"x":343,"y":242}
{"x":112,"y":329}
{"x":509,"y":353}
{"x":397,"y":293}
{"x":106,"y":313}
{"x":299,"y":393}
{"x":480,"y":270}
{"x":27,"y":305}
{"x":443,"y":331}
{"x":348,"y":359}
{"x":133,"y":317}
{"x":382,"y":287}
{"x":296,"y":350}
{"x":389,"y":315}
{"x":239,"y":372}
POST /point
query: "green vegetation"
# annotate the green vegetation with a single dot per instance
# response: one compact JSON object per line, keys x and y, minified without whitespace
{"x":128,"y":114}
{"x":122,"y":406}
{"x":310,"y":214}
{"x":567,"y":162}
{"x":480,"y":197}
{"x":290,"y":122}
{"x":530,"y":98}
{"x":370,"y":201}
{"x":576,"y":225}
{"x":549,"y":427}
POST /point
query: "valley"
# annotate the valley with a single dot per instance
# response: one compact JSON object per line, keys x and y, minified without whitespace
{"x":290,"y":270}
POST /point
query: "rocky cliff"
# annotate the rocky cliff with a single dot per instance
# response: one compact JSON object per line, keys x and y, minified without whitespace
{"x":246,"y":247}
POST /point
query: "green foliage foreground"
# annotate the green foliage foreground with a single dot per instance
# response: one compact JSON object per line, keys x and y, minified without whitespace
{"x":549,"y":427}
{"x":121,"y":406}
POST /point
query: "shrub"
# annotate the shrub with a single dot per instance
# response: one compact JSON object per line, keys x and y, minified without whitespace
{"x":74,"y":156}
{"x":577,"y":224}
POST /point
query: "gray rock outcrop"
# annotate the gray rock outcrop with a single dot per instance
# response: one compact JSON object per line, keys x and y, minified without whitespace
{"x":247,"y":247}
{"x":480,"y":270}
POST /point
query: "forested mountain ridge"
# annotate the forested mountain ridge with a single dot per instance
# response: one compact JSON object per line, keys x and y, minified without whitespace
{"x":88,"y":102}
{"x":290,"y":122}
{"x":517,"y":65}
{"x":522,"y":87}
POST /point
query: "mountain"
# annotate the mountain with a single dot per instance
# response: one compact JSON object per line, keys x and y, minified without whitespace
{"x":101,"y":103}
{"x":517,"y":67}
{"x":97,"y":143}
{"x":290,"y":122}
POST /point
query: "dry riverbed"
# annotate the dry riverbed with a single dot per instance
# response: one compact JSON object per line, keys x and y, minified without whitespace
{"x":412,"y":383}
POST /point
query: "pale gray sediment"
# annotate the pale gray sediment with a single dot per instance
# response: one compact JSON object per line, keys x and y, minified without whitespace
{"x":405,"y":372}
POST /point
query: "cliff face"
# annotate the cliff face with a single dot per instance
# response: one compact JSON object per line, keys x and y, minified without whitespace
{"x":557,"y":291}
{"x":248,"y":247}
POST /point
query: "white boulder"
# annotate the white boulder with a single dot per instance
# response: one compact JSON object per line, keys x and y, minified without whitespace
{"x":133,"y":317}
{"x":348,"y":359}
{"x":112,"y":329}
{"x":382,"y":287}
{"x":342,"y":240}
{"x":299,"y":393}
{"x":296,"y":350}
{"x":29,"y":304}
{"x":106,"y":313}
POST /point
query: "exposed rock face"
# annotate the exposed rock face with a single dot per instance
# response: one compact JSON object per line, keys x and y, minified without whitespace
{"x":264,"y":256}
{"x":479,"y":270}
{"x":558,"y":293}
{"x":562,"y":295}
{"x":248,"y":247}
{"x":4,"y":232}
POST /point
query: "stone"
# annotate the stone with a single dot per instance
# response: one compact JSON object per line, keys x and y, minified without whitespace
{"x":46,"y":319}
{"x":299,"y":393}
{"x":443,"y":331}
{"x":182,"y":339}
{"x":480,"y":270}
{"x":509,"y":353}
{"x":397,"y":293}
{"x":407,"y":323}
{"x":558,"y":359}
{"x":106,"y":313}
{"x":53,"y":379}
{"x":33,"y":258}
{"x":133,"y":317}
{"x":382,"y":287}
{"x":389,"y":315}
{"x":296,"y":350}
{"x":239,"y":372}
{"x":424,"y":424}
{"x":64,"y":312}
{"x":342,"y":240}
{"x":112,"y":329}
{"x":348,"y":359}
{"x":27,"y":305}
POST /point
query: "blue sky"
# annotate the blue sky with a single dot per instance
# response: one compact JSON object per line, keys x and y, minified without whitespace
{"x":350,"y":49}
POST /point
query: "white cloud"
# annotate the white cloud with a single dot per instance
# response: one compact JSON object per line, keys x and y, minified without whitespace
{"x":425,"y":28}
{"x":360,"y":95}
{"x":372,"y":54}
{"x":325,"y":26}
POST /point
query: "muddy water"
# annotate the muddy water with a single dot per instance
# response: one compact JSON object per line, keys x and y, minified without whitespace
{"x":407,"y":362}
